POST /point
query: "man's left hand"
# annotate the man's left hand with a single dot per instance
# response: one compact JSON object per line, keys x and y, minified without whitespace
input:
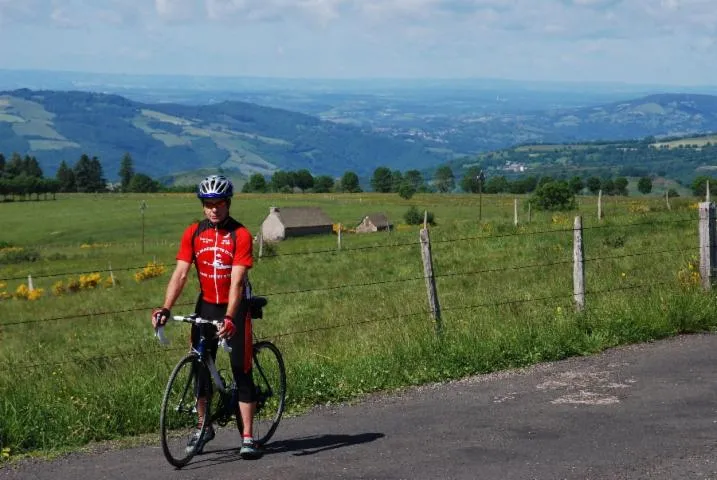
{"x":228,"y":329}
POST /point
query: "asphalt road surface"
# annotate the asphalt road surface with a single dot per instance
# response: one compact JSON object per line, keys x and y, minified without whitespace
{"x":645,"y":411}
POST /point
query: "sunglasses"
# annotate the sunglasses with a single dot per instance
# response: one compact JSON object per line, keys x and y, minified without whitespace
{"x":217,"y":204}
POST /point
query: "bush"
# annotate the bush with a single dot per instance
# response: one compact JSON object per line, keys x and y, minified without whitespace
{"x":406,"y":190}
{"x":414,"y":217}
{"x":554,"y":196}
{"x":18,"y":255}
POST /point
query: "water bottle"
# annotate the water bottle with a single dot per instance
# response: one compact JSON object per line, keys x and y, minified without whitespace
{"x":159,"y":333}
{"x":225,"y":345}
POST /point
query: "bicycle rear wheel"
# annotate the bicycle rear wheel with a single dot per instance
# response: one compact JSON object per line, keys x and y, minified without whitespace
{"x":178,"y":420}
{"x":270,"y":381}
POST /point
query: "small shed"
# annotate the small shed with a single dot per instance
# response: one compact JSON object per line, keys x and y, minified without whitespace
{"x":287,"y":222}
{"x":374,"y":222}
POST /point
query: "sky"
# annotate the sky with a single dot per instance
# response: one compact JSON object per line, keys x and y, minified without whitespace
{"x":668,"y":42}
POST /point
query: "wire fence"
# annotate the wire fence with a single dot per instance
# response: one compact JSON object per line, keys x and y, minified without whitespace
{"x":345,"y":250}
{"x":563,"y":297}
{"x":153,"y":352}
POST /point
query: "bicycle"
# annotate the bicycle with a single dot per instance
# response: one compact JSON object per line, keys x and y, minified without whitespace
{"x":178,"y":419}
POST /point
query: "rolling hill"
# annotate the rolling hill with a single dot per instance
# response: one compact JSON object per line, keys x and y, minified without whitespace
{"x":180,"y":140}
{"x":165,"y":139}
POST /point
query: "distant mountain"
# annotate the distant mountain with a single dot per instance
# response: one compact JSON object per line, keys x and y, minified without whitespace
{"x":165,"y":139}
{"x":411,"y":130}
{"x":659,"y":115}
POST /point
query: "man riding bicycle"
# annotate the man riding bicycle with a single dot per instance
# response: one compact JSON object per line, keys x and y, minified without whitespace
{"x":221,"y":249}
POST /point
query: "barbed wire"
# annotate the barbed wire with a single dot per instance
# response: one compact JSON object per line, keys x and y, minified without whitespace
{"x":84,"y":272}
{"x":138,"y":353}
{"x":335,"y":251}
{"x":355,"y":285}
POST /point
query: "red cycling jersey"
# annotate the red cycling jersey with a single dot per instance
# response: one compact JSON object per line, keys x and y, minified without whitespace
{"x":211,"y":251}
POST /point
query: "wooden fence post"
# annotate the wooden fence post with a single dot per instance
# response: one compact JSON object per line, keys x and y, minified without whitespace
{"x":515,"y":212}
{"x":578,"y":265}
{"x":708,"y":250}
{"x":667,"y":199}
{"x":707,"y":191}
{"x":112,"y":277}
{"x":530,"y":218}
{"x":433,"y":303}
{"x":30,"y":286}
{"x":261,"y":242}
{"x":338,"y":237}
{"x":600,"y":205}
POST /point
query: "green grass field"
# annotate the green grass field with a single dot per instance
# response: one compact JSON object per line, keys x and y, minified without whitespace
{"x":82,"y":367}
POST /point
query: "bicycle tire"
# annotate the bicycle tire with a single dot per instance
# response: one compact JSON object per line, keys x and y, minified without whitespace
{"x":269,"y":375}
{"x":178,"y":419}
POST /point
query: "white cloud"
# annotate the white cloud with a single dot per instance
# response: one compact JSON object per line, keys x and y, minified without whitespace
{"x":513,"y":38}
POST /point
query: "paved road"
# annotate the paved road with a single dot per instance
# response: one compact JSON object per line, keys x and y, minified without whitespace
{"x":646,"y":411}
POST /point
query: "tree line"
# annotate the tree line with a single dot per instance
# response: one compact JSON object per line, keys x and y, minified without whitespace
{"x":22,"y":176}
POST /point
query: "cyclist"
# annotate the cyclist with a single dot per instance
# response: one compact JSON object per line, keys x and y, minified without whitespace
{"x":221,"y":249}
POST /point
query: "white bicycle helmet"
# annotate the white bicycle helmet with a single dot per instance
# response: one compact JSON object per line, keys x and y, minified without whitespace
{"x":215,"y":186}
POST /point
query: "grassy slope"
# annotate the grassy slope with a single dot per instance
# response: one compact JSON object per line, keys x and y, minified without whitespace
{"x":506,"y":295}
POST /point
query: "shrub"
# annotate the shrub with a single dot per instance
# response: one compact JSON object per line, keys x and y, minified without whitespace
{"x":689,"y":276}
{"x":554,"y":196}
{"x":414,"y":217}
{"x":18,"y":255}
{"x":406,"y":190}
{"x":152,"y":270}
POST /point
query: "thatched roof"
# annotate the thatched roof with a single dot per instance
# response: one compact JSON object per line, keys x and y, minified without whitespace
{"x":294,"y":217}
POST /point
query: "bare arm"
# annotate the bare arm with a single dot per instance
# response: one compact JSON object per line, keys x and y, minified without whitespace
{"x":176,"y":283}
{"x":236,"y":289}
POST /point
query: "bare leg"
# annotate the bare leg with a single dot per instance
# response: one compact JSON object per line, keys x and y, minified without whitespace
{"x":201,"y":408}
{"x":247,"y":417}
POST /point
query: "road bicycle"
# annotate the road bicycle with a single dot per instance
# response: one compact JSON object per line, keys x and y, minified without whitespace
{"x":179,"y":417}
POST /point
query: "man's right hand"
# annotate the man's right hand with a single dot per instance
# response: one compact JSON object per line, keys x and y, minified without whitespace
{"x":160,"y":317}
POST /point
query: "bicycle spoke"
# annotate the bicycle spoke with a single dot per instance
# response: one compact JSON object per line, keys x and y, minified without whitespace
{"x":178,"y":420}
{"x":270,"y":382}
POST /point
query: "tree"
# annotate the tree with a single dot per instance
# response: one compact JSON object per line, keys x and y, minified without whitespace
{"x":556,"y":195}
{"x":88,"y":175}
{"x":497,"y":184}
{"x":350,"y":183}
{"x":2,"y":164}
{"x":323,"y":184}
{"x":396,"y":180}
{"x":608,"y":186}
{"x":141,"y":183}
{"x":13,"y":168}
{"x":594,"y":185}
{"x":304,"y":179}
{"x":256,"y":184}
{"x":699,"y":185}
{"x":444,"y":179}
{"x":621,"y":184}
{"x":126,"y":171}
{"x":471,"y":183}
{"x":31,"y":167}
{"x":406,"y":190}
{"x":644,"y":185}
{"x":415,"y":178}
{"x":279,"y":180}
{"x":65,"y":178}
{"x":576,"y":185}
{"x":382,"y":180}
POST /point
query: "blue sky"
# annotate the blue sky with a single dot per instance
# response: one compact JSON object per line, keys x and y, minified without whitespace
{"x":634,"y":41}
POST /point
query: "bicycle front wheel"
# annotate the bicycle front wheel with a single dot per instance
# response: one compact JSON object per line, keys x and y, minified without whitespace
{"x":178,"y":420}
{"x":270,"y":382}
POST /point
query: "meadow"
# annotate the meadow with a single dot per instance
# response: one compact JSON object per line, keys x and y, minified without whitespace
{"x":79,"y":364}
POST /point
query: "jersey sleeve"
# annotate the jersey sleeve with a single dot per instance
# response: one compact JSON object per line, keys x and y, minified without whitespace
{"x":186,"y":250}
{"x":243,"y":250}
